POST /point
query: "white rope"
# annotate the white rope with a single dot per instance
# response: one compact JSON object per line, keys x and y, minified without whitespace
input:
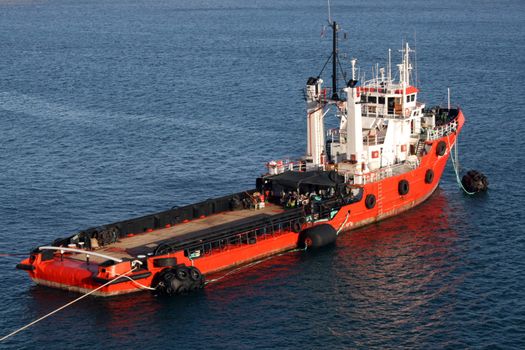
{"x":66,"y":305}
{"x":455,"y":165}
{"x":140,"y":285}
{"x":344,"y":223}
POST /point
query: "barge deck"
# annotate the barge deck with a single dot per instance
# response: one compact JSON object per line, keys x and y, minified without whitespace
{"x":132,"y":245}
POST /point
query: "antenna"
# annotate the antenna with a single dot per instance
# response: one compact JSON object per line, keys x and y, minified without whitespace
{"x":415,"y":57}
{"x":334,"y":62}
{"x":448,"y":98}
{"x":353,"y":61}
{"x":329,"y":15}
{"x":389,"y":65}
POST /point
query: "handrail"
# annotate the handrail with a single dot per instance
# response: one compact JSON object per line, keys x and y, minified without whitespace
{"x":290,"y":165}
{"x":382,"y":173}
{"x":442,"y":130}
{"x":259,"y":224}
{"x":80,"y":251}
{"x":238,"y":237}
{"x":255,"y":231}
{"x":373,"y":140}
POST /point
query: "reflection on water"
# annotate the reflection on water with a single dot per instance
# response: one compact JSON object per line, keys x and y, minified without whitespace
{"x":392,"y":275}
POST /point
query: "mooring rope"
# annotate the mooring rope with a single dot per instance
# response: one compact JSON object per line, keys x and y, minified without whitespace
{"x":66,"y":305}
{"x":140,"y":285}
{"x":343,"y":224}
{"x":455,"y":164}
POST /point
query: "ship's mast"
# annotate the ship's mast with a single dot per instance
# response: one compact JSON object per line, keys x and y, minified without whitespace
{"x":334,"y":62}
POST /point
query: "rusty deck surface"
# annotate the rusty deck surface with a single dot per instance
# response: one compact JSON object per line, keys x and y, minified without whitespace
{"x":124,"y":247}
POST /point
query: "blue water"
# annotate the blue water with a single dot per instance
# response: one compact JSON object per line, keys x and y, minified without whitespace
{"x":112,"y":109}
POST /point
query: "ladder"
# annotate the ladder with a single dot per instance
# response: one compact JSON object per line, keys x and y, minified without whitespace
{"x":419,"y":148}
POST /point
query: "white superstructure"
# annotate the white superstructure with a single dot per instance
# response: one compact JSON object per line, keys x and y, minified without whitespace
{"x":315,"y":125}
{"x":380,"y":122}
{"x":383,"y":129}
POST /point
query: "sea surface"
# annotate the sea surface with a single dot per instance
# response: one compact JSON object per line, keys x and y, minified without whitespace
{"x":114,"y":109}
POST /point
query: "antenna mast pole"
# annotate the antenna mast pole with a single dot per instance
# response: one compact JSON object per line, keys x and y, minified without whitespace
{"x":329,"y":16}
{"x":334,"y":62}
{"x":389,"y":76}
{"x":415,"y":57}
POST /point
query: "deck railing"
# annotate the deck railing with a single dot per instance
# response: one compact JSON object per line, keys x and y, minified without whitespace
{"x":386,"y":172}
{"x":251,"y":233}
{"x":373,"y":140}
{"x":281,"y":166}
{"x":440,"y":131}
{"x":207,"y":242}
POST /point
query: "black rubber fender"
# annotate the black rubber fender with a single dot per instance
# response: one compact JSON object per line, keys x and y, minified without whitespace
{"x":429,"y":176}
{"x":236,"y":203}
{"x":317,"y":236}
{"x":475,"y":181}
{"x":195,"y":274}
{"x":107,"y":236}
{"x":182,"y":273}
{"x":441,"y":148}
{"x":163,"y":249}
{"x":166,"y":282}
{"x":197,"y":279}
{"x":178,"y":280}
{"x":403,"y":187}
{"x":84,"y":237}
{"x":370,"y":201}
{"x":296,"y":226}
{"x":58,"y":242}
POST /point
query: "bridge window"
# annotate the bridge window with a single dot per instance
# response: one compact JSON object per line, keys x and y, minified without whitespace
{"x":391,"y":105}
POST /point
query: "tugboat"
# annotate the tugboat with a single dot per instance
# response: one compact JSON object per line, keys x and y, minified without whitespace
{"x":386,"y":156}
